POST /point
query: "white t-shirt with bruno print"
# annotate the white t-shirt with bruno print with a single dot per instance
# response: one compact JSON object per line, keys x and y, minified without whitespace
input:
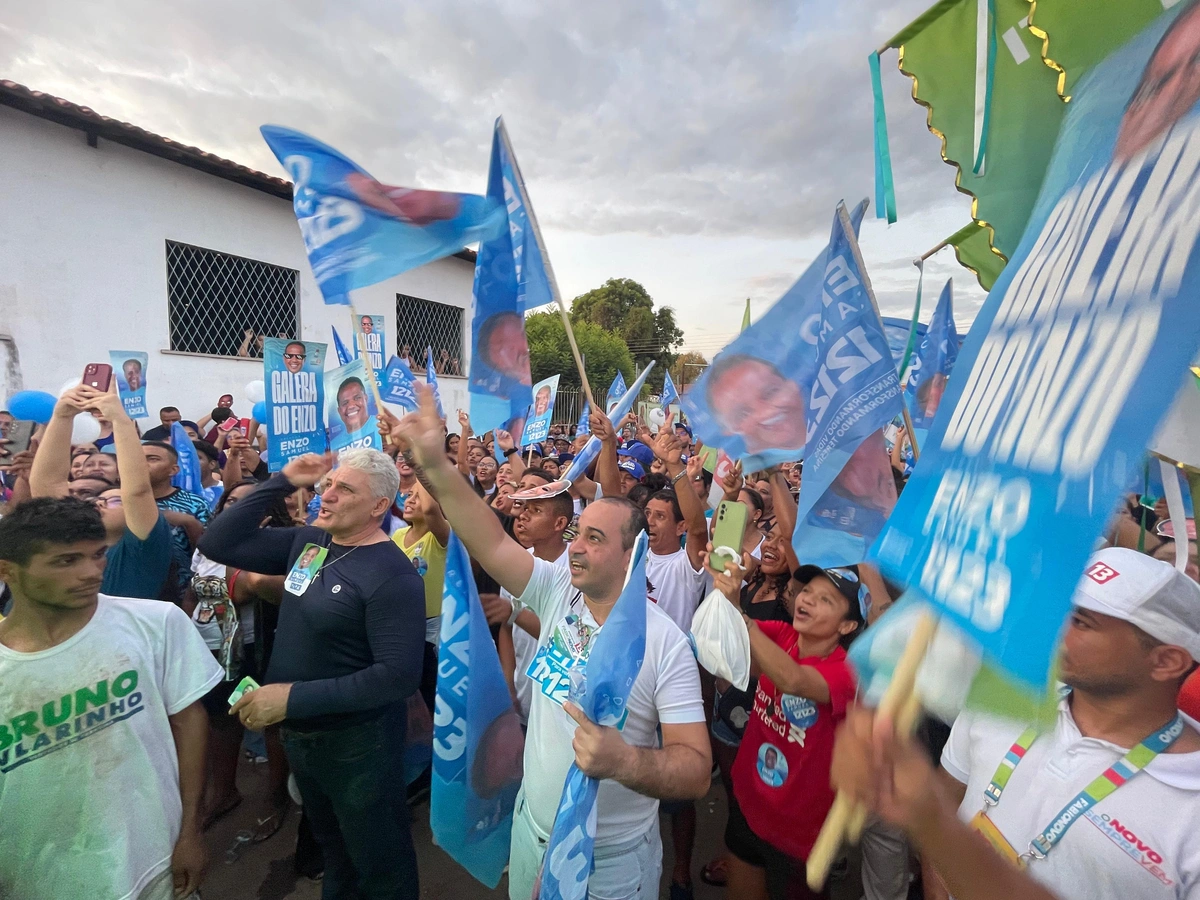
{"x":89,"y":778}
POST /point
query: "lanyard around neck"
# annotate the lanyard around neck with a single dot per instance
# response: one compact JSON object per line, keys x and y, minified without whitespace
{"x":1104,"y":785}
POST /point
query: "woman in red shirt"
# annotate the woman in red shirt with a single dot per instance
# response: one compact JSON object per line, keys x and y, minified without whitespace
{"x":781,"y":791}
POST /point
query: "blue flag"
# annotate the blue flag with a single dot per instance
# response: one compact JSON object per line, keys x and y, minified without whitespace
{"x":847,"y":491}
{"x":431,"y":380}
{"x":130,"y":369}
{"x":584,"y":426}
{"x":751,"y":402}
{"x":512,"y":275}
{"x":350,"y":413}
{"x":616,"y":391}
{"x":608,"y":674}
{"x":188,"y":477}
{"x":1060,"y":381}
{"x":295,"y":388}
{"x":477,"y":737}
{"x":896,"y":331}
{"x":931,"y":365}
{"x":669,"y":394}
{"x":344,"y":356}
{"x":358,"y":231}
{"x":616,"y":412}
{"x":397,"y":383}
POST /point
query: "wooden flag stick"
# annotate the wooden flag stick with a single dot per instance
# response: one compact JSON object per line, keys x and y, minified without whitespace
{"x":908,"y":427}
{"x":587,"y":388}
{"x":897,"y":698}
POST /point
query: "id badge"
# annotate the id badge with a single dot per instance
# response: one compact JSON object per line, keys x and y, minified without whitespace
{"x":308,"y":564}
{"x":986,"y":827}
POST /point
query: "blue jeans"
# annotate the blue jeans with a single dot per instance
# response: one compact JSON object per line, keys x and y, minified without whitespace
{"x":354,"y":797}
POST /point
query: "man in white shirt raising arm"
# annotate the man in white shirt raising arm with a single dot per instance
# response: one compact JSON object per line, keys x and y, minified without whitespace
{"x":572,"y":605}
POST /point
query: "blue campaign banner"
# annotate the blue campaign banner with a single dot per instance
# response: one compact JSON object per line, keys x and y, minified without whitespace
{"x":368,"y":335}
{"x":537,"y":426}
{"x":847,"y":491}
{"x":512,"y":275}
{"x":431,"y":380}
{"x":931,"y":364}
{"x":397,"y":385}
{"x":584,"y":426}
{"x":669,"y":394}
{"x":358,"y":231}
{"x":350,"y":409}
{"x":896,"y":330}
{"x":1045,"y":423}
{"x":752,"y":401}
{"x":343,"y":355}
{"x":129,"y":368}
{"x":295,"y":385}
{"x":601,"y":693}
{"x":478,"y":743}
{"x":188,"y":478}
{"x":616,"y":390}
{"x":587,"y":455}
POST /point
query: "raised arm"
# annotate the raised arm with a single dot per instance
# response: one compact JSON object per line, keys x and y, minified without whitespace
{"x":235,"y":539}
{"x":52,"y":466}
{"x":607,"y":473}
{"x":785,"y":515}
{"x":137,"y":497}
{"x":464,"y":434}
{"x":476,"y":526}
{"x":669,"y":449}
{"x":505,"y":442}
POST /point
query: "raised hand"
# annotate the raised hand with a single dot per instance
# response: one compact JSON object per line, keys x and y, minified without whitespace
{"x":307,"y":470}
{"x":425,"y":432}
{"x":732,"y":481}
{"x":464,"y":424}
{"x":601,"y":427}
{"x":504,"y":440}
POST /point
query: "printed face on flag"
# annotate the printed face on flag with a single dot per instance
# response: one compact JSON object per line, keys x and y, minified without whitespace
{"x":292,"y":373}
{"x":129,"y":369}
{"x":1052,"y":402}
{"x":753,"y":401}
{"x":351,"y":408}
{"x":931,"y":364}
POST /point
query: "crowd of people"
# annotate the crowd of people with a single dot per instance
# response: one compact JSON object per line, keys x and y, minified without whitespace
{"x":133,"y":610}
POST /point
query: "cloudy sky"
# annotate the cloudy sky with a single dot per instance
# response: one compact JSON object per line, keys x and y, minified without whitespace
{"x":699,"y":148}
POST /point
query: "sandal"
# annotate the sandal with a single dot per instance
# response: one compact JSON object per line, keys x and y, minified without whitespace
{"x":218,"y":814}
{"x":716,"y":873}
{"x":269,"y":827}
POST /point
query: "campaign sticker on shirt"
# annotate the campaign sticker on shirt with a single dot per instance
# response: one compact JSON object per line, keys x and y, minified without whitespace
{"x":800,"y":713}
{"x":772,"y":765}
{"x":308,"y":564}
{"x":560,"y":662}
{"x":420,"y":564}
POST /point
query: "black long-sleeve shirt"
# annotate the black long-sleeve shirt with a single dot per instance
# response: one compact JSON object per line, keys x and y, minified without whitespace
{"x":352,"y":644}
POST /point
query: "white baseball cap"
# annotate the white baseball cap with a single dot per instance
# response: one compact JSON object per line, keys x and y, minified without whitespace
{"x":1143,"y":591}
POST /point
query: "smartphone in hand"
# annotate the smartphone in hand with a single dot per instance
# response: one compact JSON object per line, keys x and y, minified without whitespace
{"x":97,"y":375}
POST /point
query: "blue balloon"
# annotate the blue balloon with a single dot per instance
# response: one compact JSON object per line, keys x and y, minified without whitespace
{"x":259,"y":412}
{"x":32,"y":406}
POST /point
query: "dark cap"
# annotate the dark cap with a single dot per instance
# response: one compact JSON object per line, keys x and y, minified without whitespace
{"x":847,"y":582}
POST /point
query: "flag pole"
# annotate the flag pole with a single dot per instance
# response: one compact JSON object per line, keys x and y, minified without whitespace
{"x":551,"y":280}
{"x":862,"y":268}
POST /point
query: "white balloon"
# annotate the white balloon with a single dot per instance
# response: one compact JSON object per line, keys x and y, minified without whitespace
{"x":658,"y":418}
{"x":84,"y":429}
{"x":256,"y":391}
{"x":67,"y":385}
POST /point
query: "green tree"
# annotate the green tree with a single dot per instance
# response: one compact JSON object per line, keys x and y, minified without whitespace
{"x":684,"y":370}
{"x":625,"y":308}
{"x":550,"y":353}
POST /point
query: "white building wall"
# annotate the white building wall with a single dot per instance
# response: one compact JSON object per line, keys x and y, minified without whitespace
{"x":83,"y":266}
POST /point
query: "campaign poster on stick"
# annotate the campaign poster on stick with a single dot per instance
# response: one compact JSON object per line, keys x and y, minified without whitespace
{"x":397,"y":385}
{"x":1061,"y":380}
{"x":537,"y":426}
{"x":368,"y":335}
{"x":292,"y":372}
{"x":350,"y":408}
{"x":129,"y":367}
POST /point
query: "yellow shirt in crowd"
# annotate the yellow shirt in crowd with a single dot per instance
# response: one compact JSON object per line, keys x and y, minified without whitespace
{"x":429,"y":559}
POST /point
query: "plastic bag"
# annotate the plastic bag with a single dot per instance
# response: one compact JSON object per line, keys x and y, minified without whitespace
{"x":722,"y":641}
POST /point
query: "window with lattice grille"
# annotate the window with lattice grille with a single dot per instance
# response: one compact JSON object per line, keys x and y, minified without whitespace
{"x":438,"y":326}
{"x":224,"y":305}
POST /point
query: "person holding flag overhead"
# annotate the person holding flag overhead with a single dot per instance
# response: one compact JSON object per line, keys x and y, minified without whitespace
{"x":573,"y":606}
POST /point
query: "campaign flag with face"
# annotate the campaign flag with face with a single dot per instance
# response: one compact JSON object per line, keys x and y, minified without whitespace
{"x":350,"y":409}
{"x":669,"y":394}
{"x":537,"y":425}
{"x":129,"y":368}
{"x":752,"y":401}
{"x":188,"y":478}
{"x":343,"y":355}
{"x":358,"y":231}
{"x":478,"y":745}
{"x":398,"y":385}
{"x":611,"y":667}
{"x":898,"y":333}
{"x":616,"y":390}
{"x":368,"y":333}
{"x":294,"y":379}
{"x":848,"y":491}
{"x":512,"y":275}
{"x":1060,"y":382}
{"x":931,"y":365}
{"x":622,"y":407}
{"x":431,"y":380}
